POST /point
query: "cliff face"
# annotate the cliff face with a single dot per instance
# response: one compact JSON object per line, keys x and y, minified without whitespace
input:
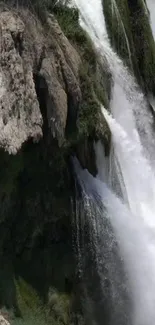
{"x":51,"y":86}
{"x":20,"y":116}
{"x":33,"y":57}
{"x":49,"y":111}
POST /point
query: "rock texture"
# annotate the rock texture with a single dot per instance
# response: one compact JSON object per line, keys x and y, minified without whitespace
{"x":59,"y":74}
{"x":50,"y":89}
{"x":3,"y":321}
{"x":34,"y":58}
{"x":20,"y":116}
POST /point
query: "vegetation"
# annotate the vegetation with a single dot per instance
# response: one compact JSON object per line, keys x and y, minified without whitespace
{"x":39,"y":7}
{"x":131,"y":36}
{"x":32,"y":310}
{"x":94,"y":80}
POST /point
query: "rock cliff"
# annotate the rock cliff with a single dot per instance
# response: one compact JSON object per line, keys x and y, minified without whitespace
{"x":51,"y":82}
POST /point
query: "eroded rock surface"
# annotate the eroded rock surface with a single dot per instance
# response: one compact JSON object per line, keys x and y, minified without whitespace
{"x":59,"y":71}
{"x":20,"y":116}
{"x":35,"y":57}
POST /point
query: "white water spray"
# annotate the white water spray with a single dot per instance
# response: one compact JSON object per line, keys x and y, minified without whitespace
{"x":135,"y":245}
{"x":131,"y":215}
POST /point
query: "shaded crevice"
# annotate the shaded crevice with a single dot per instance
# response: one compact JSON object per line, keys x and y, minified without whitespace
{"x":18,"y":42}
{"x":72,"y":108}
{"x":42,"y":94}
{"x":85,"y":153}
{"x":72,"y":115}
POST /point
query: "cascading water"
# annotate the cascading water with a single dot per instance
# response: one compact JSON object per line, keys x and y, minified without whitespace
{"x":136,"y":247}
{"x":104,"y":280}
{"x":125,"y":93}
{"x":124,"y":191}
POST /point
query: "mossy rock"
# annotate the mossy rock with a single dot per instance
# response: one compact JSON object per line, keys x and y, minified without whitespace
{"x":30,"y":308}
{"x":94,"y":79}
{"x":55,"y":311}
{"x":131,"y":36}
{"x":36,"y":191}
{"x":118,"y":26}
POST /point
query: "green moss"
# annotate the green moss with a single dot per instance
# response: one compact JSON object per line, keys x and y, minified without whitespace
{"x":68,"y":19}
{"x":144,"y":44}
{"x":131,"y":36}
{"x":27,"y":297}
{"x":118,"y":25}
{"x":56,"y":311}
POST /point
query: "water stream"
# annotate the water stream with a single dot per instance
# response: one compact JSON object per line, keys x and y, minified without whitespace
{"x":123,"y":193}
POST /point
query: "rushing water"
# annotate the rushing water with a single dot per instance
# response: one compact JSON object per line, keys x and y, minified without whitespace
{"x":137,"y":248}
{"x":123,"y":194}
{"x":126,"y":92}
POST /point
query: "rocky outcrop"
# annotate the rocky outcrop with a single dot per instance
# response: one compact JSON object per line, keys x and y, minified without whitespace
{"x":33,"y":57}
{"x":49,"y":84}
{"x":20,"y":116}
{"x":59,"y":73}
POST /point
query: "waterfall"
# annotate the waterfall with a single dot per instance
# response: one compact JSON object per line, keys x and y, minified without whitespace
{"x":126,"y":92}
{"x":136,"y":244}
{"x":122,"y":195}
{"x":101,"y":268}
